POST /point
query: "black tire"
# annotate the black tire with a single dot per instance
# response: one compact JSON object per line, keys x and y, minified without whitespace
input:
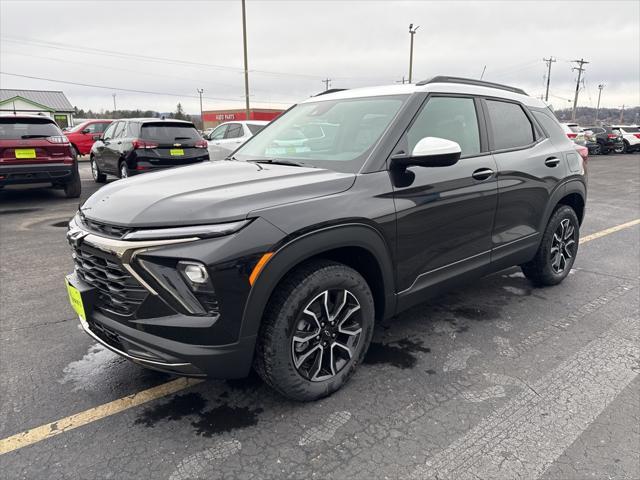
{"x":123,"y":170}
{"x":597,"y":150}
{"x":619,"y":149}
{"x":74,"y":152}
{"x":73,"y":188}
{"x":97,"y":175}
{"x":542,"y":271}
{"x":626,"y":147}
{"x":286,"y":311}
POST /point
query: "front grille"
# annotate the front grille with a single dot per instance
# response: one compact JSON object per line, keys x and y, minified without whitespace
{"x":107,"y":335}
{"x":117,"y":291}
{"x":105,"y":230}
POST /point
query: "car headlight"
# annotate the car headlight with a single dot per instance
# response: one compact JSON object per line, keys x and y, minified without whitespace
{"x":200,"y":231}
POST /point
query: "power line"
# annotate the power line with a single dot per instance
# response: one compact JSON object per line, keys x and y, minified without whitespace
{"x":148,"y":58}
{"x":128,"y":89}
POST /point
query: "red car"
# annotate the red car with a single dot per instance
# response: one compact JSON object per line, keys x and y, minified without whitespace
{"x":34,"y":150}
{"x":83,"y":135}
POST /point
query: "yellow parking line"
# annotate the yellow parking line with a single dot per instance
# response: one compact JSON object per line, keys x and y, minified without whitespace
{"x":35,"y":435}
{"x":608,"y":231}
{"x":49,"y":430}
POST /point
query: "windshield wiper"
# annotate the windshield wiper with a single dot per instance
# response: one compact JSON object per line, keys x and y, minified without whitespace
{"x":182,"y":138}
{"x":34,"y":136}
{"x":276,"y":161}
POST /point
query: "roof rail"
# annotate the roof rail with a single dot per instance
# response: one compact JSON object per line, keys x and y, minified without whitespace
{"x":471,"y":81}
{"x":331,"y":90}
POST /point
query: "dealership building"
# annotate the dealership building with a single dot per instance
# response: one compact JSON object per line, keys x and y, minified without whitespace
{"x":53,"y":104}
{"x":212,"y":118}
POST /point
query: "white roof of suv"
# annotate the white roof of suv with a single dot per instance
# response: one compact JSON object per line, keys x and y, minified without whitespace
{"x":439,"y":85}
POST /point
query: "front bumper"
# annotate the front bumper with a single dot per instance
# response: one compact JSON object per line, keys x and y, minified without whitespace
{"x":58,"y":173}
{"x":147,"y":327}
{"x":163,"y":354}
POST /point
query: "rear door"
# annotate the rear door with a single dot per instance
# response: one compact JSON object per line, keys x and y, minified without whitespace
{"x":530,"y":168}
{"x":216,"y":150}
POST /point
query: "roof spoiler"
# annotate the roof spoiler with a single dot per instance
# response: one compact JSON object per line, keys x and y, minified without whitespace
{"x":331,"y":90}
{"x":471,"y":81}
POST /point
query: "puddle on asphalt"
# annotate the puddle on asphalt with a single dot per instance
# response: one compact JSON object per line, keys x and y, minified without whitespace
{"x":89,"y":372}
{"x":400,"y":354}
{"x":220,"y":419}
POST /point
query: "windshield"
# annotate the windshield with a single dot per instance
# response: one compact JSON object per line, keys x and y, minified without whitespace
{"x":168,"y":132}
{"x":19,"y":128}
{"x":333,"y":134}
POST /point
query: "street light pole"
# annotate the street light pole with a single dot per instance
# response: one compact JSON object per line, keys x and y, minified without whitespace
{"x":412,"y":32}
{"x":246,"y":62}
{"x":200,"y":92}
{"x":600,"y":87}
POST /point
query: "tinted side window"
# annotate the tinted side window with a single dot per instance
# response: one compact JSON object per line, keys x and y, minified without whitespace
{"x":118,"y":130}
{"x":447,"y":117}
{"x":234,"y":131}
{"x":551,"y":126}
{"x":218,"y":133}
{"x":133,"y":129}
{"x":254,"y":128}
{"x":101,"y":127}
{"x":511,"y":126}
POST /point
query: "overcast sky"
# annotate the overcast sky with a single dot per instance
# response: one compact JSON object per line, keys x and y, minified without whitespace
{"x":175,"y":47}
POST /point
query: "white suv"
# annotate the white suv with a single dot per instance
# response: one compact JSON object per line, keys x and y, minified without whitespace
{"x":226,"y":137}
{"x":630,"y":137}
{"x":575,"y":132}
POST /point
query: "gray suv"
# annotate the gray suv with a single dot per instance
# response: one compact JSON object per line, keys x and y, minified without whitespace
{"x":346,"y":210}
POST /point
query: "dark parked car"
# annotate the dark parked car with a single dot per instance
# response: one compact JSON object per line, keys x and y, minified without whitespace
{"x":285,"y":256}
{"x":33,"y":150}
{"x":603,"y":140}
{"x":138,"y":145}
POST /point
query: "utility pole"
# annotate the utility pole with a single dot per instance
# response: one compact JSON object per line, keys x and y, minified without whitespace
{"x":548,"y":61}
{"x":246,"y":62}
{"x":114,"y":101}
{"x":621,"y":115}
{"x":580,"y":69}
{"x":403,"y":81}
{"x":600,"y":87}
{"x":412,"y":32}
{"x":327,"y":83}
{"x":483,"y":70}
{"x":200,"y":92}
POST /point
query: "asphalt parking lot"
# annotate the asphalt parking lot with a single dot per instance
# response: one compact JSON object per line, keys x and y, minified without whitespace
{"x":494,"y":380}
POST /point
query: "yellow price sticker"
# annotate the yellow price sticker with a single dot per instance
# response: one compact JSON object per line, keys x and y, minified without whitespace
{"x":25,"y":153}
{"x":176,"y":152}
{"x":75,"y":298}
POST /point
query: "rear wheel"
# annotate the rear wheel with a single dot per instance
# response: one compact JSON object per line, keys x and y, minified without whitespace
{"x":98,"y":176}
{"x":557,"y":250}
{"x":73,"y":188}
{"x":316,"y":330}
{"x":619,"y":148}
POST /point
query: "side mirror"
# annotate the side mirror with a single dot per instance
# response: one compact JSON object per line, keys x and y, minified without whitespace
{"x":431,"y":152}
{"x":85,"y":131}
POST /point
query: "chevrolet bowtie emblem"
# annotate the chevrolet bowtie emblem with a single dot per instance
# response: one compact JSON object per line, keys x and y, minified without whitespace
{"x":177,"y":144}
{"x":75,"y":237}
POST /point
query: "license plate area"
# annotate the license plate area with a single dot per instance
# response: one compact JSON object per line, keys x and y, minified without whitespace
{"x":176,"y":152}
{"x":25,"y":153}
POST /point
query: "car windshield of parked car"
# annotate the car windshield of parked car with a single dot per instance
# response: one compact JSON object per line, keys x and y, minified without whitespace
{"x":14,"y":129}
{"x":168,"y":132}
{"x":333,"y":134}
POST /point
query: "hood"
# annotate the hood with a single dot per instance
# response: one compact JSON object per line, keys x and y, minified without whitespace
{"x":211,"y":192}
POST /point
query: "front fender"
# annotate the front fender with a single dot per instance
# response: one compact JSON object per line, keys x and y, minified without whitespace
{"x":308,"y":245}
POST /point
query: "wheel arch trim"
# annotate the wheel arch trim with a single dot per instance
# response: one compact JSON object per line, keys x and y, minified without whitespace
{"x":311,"y":244}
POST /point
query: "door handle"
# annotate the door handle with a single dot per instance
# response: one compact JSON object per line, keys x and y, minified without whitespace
{"x":552,"y":162}
{"x":482,"y":173}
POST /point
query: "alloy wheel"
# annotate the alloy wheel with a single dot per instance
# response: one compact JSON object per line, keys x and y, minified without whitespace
{"x":563,"y":246}
{"x":326,"y":335}
{"x":94,"y":170}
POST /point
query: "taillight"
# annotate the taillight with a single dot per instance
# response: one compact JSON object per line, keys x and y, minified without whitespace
{"x":202,"y":144}
{"x":60,"y":139}
{"x":637,"y":135}
{"x":612,"y":135}
{"x":572,"y":135}
{"x":584,"y":152}
{"x":143,"y":144}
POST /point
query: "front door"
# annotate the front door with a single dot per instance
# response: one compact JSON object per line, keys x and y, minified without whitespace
{"x":444,"y":214}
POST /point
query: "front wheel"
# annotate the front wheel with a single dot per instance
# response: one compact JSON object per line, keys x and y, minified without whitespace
{"x":557,"y":251}
{"x":124,"y":170}
{"x":98,"y":176}
{"x":619,"y":148}
{"x":316,"y":330}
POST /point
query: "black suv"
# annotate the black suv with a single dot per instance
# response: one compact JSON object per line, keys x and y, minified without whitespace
{"x":603,"y":140}
{"x":284,"y":256}
{"x":138,"y":145}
